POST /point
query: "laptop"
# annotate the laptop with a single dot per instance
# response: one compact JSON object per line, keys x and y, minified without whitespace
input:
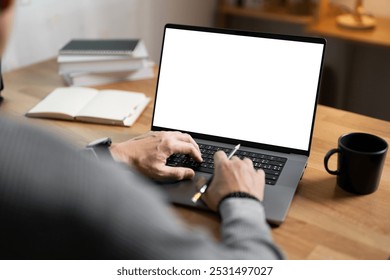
{"x":228,"y":87}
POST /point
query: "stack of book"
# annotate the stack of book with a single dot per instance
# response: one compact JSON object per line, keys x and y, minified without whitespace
{"x":96,"y":62}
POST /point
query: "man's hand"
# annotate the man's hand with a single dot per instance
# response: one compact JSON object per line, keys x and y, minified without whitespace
{"x":231,"y":176}
{"x":149,"y":152}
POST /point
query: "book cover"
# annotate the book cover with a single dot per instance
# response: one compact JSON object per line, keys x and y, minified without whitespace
{"x":103,"y":66}
{"x":101,"y":47}
{"x":93,"y":78}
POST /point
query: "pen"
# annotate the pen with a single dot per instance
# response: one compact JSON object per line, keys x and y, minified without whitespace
{"x":203,"y":189}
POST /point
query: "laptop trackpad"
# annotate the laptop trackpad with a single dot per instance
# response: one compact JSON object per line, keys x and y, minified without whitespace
{"x":181,"y":192}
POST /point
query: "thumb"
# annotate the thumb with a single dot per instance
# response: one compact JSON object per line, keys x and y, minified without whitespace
{"x":178,"y":173}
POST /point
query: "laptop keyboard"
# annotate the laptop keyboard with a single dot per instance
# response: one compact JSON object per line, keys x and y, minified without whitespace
{"x":271,"y":165}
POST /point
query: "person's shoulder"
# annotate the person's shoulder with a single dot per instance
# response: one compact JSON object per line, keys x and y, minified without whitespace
{"x":7,"y":121}
{"x":17,"y":125}
{"x":16,"y":131}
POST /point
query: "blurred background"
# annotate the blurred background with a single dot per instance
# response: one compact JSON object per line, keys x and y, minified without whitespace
{"x":42,"y":27}
{"x":357,"y":64}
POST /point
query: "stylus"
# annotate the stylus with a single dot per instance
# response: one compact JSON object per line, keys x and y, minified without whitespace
{"x":203,"y":189}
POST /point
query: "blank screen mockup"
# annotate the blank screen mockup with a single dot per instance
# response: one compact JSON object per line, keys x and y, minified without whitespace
{"x":255,"y":89}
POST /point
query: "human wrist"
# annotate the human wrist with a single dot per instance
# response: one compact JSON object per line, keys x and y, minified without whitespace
{"x":120,"y":153}
{"x":238,"y":194}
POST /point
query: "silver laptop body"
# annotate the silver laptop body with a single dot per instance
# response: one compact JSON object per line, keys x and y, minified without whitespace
{"x":229,"y":87}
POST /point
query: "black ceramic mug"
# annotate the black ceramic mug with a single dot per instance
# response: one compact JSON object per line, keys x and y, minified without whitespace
{"x":361,"y":157}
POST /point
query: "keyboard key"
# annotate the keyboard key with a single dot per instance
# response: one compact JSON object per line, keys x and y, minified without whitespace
{"x":270,"y":182}
{"x":277,"y":163}
{"x":272,"y":172}
{"x":271,"y":177}
{"x":272,"y":165}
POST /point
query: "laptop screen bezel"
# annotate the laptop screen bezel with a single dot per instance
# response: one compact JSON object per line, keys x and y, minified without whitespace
{"x":233,"y":141}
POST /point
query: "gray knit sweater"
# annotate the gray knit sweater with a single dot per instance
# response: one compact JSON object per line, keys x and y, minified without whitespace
{"x":56,"y":203}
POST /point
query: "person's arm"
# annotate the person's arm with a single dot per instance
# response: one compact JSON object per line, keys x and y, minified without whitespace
{"x":244,"y":228}
{"x":243,"y":218}
{"x":237,"y":191}
{"x":58,"y":204}
{"x":143,"y":227}
{"x":244,"y":231}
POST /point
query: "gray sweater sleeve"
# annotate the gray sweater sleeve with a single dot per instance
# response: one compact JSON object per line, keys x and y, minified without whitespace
{"x":57,"y":204}
{"x":244,"y":228}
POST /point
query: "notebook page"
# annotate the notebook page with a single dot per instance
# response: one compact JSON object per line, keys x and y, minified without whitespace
{"x":66,"y":101}
{"x":112,"y":105}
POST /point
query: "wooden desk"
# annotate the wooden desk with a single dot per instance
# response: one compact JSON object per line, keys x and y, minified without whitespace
{"x":324,"y":222}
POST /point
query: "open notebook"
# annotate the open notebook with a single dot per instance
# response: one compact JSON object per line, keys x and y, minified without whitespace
{"x":115,"y":107}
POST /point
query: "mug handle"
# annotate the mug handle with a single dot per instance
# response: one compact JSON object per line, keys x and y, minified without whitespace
{"x":326,"y":159}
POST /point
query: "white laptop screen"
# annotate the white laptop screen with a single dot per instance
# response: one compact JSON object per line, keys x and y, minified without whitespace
{"x":255,"y":89}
